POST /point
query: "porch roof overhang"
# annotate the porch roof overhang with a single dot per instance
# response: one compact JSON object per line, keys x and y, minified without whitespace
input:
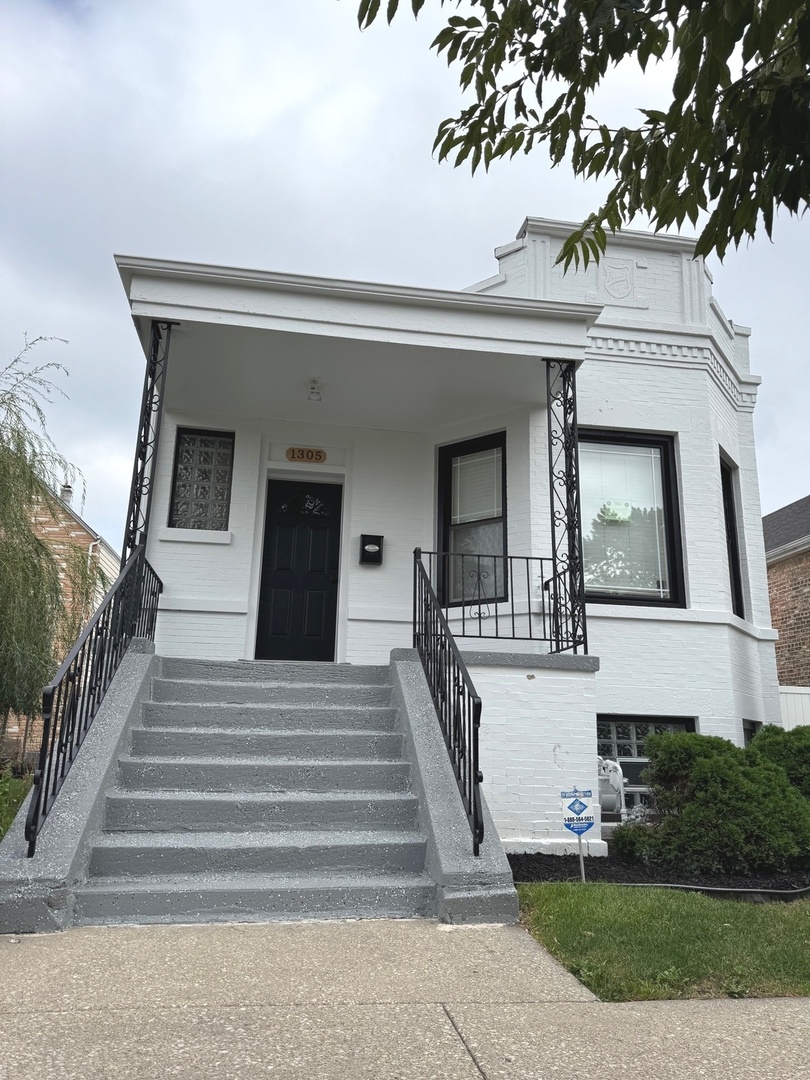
{"x":408,"y":358}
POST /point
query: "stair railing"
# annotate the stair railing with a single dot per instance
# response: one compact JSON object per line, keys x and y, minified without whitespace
{"x":458,"y":706}
{"x":70,"y":702}
{"x":512,"y":597}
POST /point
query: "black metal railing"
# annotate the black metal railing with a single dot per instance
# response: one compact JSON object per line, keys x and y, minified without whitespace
{"x":514,"y":597}
{"x":71,"y":701}
{"x":458,"y":706}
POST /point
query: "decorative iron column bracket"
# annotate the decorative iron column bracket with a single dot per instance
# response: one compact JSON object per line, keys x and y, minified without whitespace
{"x":566,"y":518}
{"x":140,"y":494}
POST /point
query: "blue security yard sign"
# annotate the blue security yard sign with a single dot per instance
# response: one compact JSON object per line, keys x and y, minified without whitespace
{"x":577,"y":817}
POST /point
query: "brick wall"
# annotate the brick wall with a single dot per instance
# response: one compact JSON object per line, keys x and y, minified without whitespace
{"x":538,"y":738}
{"x":789,"y":587}
{"x":61,"y":531}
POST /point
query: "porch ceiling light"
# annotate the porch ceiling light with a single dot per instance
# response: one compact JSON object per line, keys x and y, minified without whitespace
{"x":314,"y":391}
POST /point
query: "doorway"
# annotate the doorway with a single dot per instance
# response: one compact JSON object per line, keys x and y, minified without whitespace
{"x":297,"y":617}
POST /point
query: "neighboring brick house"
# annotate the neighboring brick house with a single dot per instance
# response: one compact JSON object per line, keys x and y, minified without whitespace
{"x":62,"y":530}
{"x":787,"y":553}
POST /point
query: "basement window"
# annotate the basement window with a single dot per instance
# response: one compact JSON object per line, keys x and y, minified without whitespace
{"x":202,"y":480}
{"x":622,"y":738}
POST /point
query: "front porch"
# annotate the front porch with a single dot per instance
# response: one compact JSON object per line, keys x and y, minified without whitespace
{"x":363,"y":418}
{"x":378,"y":399}
{"x":299,"y":441}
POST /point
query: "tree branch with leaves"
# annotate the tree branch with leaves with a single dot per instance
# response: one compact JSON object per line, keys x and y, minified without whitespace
{"x":734,"y":142}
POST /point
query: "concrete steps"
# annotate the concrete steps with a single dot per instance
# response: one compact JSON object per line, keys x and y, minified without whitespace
{"x":225,"y":811}
{"x":242,"y":692}
{"x":258,"y":742}
{"x":269,"y":717}
{"x":259,"y":851}
{"x":246,"y":897}
{"x":259,"y":791}
{"x":260,"y":775}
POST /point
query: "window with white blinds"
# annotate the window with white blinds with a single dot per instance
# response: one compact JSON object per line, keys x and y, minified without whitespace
{"x":630,"y":533}
{"x":472,"y":501}
{"x":477,"y":488}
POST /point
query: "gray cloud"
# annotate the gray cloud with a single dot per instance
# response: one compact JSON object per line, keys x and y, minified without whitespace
{"x":272,"y":133}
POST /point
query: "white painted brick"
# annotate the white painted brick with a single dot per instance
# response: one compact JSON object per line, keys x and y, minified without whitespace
{"x":662,"y":360}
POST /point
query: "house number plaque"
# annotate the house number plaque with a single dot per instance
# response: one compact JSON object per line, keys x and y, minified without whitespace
{"x":305,"y":453}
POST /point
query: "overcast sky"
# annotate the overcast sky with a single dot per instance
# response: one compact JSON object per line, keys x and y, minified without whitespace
{"x":273,"y":134}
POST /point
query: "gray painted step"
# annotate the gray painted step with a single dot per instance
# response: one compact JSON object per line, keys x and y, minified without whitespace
{"x":267,"y":693}
{"x":281,"y":717}
{"x":253,"y":897}
{"x":225,"y":811}
{"x":272,"y":670}
{"x":259,"y":775}
{"x":135,"y":854}
{"x":213,"y":742}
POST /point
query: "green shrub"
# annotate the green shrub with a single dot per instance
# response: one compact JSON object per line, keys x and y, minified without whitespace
{"x":628,"y":843}
{"x":673,"y":758}
{"x":789,"y":749}
{"x":724,"y":810}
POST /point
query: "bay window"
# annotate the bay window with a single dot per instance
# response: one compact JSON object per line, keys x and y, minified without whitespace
{"x":630,"y":521}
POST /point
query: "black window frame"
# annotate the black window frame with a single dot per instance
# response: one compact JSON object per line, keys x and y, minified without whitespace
{"x":750,"y":730}
{"x":204,"y":433}
{"x":672,"y":514}
{"x":496,"y":440}
{"x":727,"y":471}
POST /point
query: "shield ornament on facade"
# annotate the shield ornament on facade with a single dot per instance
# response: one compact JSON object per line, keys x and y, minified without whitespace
{"x":618,"y":279}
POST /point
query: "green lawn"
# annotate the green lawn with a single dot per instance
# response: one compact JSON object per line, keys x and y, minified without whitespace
{"x":12,"y":792}
{"x":629,"y":944}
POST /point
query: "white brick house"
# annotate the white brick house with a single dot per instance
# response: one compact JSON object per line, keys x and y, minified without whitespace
{"x":424,"y":416}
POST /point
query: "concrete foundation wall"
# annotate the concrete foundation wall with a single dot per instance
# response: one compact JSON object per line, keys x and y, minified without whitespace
{"x":538,"y":738}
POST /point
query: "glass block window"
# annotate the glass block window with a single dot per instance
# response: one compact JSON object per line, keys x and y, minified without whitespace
{"x":203,"y":474}
{"x":621,"y":738}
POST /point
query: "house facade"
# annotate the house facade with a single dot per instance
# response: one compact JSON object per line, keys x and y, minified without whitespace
{"x":571,"y":455}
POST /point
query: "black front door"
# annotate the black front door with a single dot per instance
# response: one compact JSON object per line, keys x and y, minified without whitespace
{"x":298,"y":594}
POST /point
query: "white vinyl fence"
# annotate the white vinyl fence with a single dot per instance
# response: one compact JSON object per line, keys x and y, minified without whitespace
{"x":795,"y":702}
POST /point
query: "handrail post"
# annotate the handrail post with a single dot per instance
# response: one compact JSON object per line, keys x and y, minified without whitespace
{"x":417,"y":558}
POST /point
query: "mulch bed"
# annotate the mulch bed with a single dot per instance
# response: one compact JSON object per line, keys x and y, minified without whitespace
{"x":611,"y":870}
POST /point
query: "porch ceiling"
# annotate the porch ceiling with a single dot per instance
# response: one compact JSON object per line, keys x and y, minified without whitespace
{"x":245,"y":371}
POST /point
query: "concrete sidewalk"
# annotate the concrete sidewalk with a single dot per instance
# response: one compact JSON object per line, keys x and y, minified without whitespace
{"x":410,"y":1000}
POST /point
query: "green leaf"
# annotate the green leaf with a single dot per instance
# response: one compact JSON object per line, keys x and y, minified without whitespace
{"x":367,"y":12}
{"x":728,"y":143}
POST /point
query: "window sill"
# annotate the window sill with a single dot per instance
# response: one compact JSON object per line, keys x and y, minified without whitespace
{"x":680,"y":614}
{"x":193,"y":536}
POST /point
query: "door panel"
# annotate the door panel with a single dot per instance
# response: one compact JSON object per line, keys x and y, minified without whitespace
{"x":300,"y":562}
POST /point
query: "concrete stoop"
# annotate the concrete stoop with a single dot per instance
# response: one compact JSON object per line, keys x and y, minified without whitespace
{"x":258,"y":791}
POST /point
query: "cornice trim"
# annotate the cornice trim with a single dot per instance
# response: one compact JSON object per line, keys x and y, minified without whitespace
{"x":740,"y":390}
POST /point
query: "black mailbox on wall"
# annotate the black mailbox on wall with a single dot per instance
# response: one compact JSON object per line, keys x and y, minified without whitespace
{"x":371,"y":550}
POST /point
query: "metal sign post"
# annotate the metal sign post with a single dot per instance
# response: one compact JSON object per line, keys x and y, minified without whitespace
{"x":577,"y":818}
